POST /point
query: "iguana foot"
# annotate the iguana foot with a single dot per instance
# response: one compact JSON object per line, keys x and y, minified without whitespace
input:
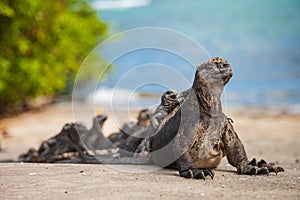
{"x":197,"y":173}
{"x":261,"y":167}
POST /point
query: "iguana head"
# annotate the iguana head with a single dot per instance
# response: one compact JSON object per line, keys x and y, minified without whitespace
{"x":169,"y":100}
{"x":99,"y":120}
{"x":213,"y":75}
{"x":222,"y":68}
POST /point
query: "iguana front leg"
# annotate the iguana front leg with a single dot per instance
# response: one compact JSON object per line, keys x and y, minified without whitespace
{"x":237,"y":157}
{"x":188,"y":170}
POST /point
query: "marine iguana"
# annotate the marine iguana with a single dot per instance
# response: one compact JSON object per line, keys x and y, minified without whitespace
{"x":58,"y":147}
{"x":72,"y":140}
{"x":128,"y":129}
{"x":197,"y":135}
{"x":138,"y":141}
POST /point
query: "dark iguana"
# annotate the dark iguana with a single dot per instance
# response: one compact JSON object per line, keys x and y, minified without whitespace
{"x":195,"y":137}
{"x":60,"y":147}
{"x":128,"y":129}
{"x":72,"y":140}
{"x":138,"y":141}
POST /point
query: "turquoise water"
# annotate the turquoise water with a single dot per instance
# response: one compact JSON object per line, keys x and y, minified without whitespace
{"x":261,"y":40}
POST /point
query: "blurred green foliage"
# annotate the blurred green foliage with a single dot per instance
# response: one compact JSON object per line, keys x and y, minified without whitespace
{"x":42,"y":44}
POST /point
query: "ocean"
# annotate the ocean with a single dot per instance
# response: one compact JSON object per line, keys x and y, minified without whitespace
{"x":261,"y":40}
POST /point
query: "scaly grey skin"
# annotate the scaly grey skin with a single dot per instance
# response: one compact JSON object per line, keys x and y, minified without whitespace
{"x":169,"y":101}
{"x":119,"y":138}
{"x":138,"y":141}
{"x":76,"y":144}
{"x":72,"y":140}
{"x":198,"y":134}
{"x":94,"y":138}
{"x":136,"y":147}
{"x":55,"y":148}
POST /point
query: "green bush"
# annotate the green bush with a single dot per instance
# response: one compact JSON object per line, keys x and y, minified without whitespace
{"x":42,"y":44}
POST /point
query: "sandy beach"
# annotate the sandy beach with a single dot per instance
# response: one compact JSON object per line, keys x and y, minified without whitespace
{"x":269,"y":134}
{"x":125,"y":54}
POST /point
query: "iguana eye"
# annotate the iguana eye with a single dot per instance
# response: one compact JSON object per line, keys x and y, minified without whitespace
{"x":216,"y":147}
